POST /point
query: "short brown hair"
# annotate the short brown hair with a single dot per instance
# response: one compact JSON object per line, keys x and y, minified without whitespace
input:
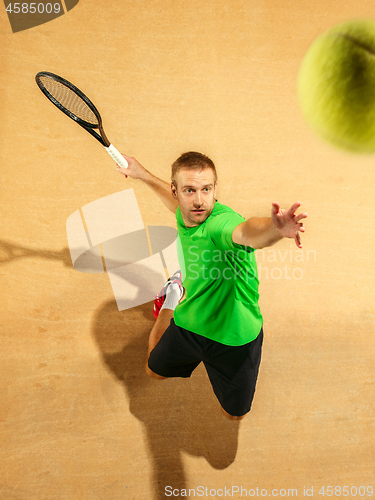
{"x":192,"y":161}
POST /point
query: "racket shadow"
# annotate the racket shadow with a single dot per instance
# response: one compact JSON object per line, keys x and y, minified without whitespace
{"x":180,"y":416}
{"x":13,"y":252}
{"x":10,"y":252}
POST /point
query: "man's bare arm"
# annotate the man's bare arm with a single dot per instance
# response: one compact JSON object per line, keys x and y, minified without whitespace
{"x":257,"y":232}
{"x":264,"y":232}
{"x":161,"y":188}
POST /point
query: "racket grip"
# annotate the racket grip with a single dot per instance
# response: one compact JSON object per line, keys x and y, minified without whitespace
{"x":117,"y":156}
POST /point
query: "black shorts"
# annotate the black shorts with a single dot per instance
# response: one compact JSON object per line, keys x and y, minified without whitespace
{"x":232,"y":370}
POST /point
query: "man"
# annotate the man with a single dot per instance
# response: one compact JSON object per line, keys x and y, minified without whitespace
{"x":214,"y":317}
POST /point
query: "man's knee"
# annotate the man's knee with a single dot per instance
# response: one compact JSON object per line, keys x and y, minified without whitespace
{"x":152,"y":374}
{"x":232,"y":417}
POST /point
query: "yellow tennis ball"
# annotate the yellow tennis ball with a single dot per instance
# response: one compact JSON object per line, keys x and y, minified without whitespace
{"x":336,"y":86}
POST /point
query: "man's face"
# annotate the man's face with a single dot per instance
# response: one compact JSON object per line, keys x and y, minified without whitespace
{"x":196,"y":192}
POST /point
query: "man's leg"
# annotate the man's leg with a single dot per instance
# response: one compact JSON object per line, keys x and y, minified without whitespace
{"x":233,"y":372}
{"x":173,"y":294}
{"x":161,"y":324}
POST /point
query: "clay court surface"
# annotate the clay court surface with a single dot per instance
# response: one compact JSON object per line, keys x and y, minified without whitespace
{"x":79,"y":417}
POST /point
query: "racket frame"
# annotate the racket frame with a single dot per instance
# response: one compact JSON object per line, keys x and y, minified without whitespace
{"x":102,"y":138}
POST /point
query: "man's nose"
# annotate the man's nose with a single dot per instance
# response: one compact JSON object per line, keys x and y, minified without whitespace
{"x":197,"y":198}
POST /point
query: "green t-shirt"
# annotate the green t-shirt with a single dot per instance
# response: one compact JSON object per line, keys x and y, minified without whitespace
{"x":220,"y":278}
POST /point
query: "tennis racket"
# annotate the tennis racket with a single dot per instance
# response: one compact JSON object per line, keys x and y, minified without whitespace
{"x":78,"y":107}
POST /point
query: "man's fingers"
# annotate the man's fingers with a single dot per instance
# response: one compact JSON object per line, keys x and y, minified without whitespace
{"x":293,"y":208}
{"x":275,"y":207}
{"x":297,"y":236}
{"x":297,"y":239}
{"x":300,"y":216}
{"x":122,"y":171}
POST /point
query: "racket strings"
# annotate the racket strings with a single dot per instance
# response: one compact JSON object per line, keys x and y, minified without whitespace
{"x":68,"y":99}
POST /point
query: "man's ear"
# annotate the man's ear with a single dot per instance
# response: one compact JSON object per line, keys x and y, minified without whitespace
{"x":174,"y":191}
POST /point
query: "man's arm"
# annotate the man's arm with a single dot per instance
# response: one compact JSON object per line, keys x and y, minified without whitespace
{"x":161,"y":188}
{"x":263,"y":232}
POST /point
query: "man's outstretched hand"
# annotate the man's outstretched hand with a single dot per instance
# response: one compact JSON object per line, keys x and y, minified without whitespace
{"x":287,"y":222}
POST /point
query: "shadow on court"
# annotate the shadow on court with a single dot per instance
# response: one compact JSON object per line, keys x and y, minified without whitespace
{"x":10,"y":252}
{"x":179,"y":415}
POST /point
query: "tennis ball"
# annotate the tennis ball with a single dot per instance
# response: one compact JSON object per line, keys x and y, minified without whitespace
{"x":336,"y":86}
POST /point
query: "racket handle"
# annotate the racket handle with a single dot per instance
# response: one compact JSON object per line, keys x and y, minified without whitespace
{"x":117,"y":156}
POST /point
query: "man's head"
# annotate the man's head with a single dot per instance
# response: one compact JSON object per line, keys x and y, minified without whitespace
{"x":194,"y":182}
